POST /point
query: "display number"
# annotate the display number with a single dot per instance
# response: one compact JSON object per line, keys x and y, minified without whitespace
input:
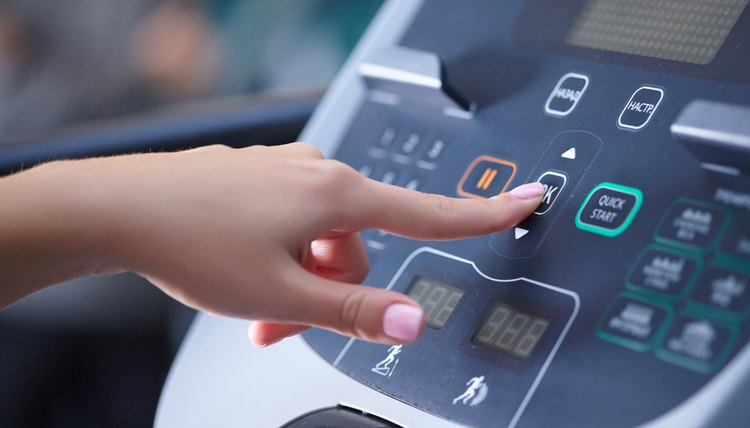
{"x":439,"y":300}
{"x":511,"y":331}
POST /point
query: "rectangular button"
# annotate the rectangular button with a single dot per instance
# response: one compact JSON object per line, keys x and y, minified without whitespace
{"x":566,"y":94}
{"x":486,"y":177}
{"x":663,"y":272}
{"x":609,"y":209}
{"x":722,"y":292}
{"x":633,"y":322}
{"x":735,"y":245}
{"x":693,"y":225}
{"x":640,"y":107}
{"x":697,"y":344}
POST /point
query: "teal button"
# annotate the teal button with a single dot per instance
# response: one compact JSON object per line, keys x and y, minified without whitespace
{"x":633,"y":321}
{"x":693,"y":225}
{"x":697,"y":343}
{"x":609,"y":209}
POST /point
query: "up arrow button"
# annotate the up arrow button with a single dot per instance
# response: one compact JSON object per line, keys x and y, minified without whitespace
{"x":569,"y":154}
{"x":520,"y":232}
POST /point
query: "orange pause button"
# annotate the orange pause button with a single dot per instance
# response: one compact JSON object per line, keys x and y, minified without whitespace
{"x":486,"y":177}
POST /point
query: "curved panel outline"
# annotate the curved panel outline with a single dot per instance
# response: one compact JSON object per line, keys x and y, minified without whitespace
{"x":553,"y":352}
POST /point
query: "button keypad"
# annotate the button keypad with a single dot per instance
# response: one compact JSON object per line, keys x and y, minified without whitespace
{"x":391,"y":153}
{"x":712,"y":299}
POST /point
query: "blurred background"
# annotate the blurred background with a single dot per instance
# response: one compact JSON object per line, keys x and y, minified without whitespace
{"x":95,"y":352}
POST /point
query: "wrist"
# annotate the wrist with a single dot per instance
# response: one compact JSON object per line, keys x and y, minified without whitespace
{"x":62,"y":209}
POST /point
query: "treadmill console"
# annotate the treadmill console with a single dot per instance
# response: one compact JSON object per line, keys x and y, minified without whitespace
{"x":629,"y":288}
{"x":623,"y":300}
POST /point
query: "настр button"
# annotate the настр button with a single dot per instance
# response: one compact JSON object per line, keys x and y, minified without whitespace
{"x":609,"y":209}
{"x":640,"y":107}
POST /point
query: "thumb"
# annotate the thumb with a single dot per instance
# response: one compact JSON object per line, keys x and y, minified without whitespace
{"x":363,"y":312}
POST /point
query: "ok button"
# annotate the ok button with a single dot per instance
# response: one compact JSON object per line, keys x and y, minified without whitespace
{"x":554,"y":183}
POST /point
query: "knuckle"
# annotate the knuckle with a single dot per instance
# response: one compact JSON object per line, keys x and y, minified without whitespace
{"x":337,"y":176}
{"x":352,"y":312}
{"x":309,"y":150}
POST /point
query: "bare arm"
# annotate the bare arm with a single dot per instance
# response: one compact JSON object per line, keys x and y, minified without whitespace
{"x":261,"y":233}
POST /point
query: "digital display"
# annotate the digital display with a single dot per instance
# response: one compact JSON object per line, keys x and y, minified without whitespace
{"x":438,"y":300}
{"x":511,"y":331}
{"x":680,"y":30}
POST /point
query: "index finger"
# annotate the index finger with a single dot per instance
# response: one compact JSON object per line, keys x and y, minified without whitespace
{"x":375,"y":205}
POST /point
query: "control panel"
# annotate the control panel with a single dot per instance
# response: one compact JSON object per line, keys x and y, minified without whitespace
{"x":623,"y":300}
{"x":628,"y":288}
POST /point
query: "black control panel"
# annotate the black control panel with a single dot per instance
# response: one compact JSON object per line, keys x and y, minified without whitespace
{"x":628,"y":290}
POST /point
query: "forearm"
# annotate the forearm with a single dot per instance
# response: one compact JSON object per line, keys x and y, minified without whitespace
{"x":49,"y":232}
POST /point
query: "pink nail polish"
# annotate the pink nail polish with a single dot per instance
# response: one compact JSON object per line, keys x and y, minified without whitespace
{"x":403,"y":322}
{"x":528,"y":190}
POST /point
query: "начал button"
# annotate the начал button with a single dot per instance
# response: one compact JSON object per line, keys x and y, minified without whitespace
{"x":663,"y":272}
{"x":640,"y":107}
{"x":633,"y":322}
{"x":696,"y":343}
{"x":693,"y":225}
{"x":609,"y":209}
{"x":486,"y":177}
{"x":722,"y":292}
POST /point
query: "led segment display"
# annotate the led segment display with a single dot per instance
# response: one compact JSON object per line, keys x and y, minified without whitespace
{"x":679,"y":30}
{"x":510,"y":331}
{"x":438,"y":300}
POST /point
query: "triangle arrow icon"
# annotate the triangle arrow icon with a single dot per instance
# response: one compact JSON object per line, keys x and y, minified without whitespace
{"x":569,"y":154}
{"x":520,"y":232}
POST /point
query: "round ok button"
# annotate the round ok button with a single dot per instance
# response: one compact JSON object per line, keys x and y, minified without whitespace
{"x":554,"y":183}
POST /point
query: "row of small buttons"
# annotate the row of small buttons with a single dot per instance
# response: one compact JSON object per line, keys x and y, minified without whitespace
{"x":716,"y":298}
{"x":635,"y":115}
{"x":402,"y":148}
{"x":390,"y":154}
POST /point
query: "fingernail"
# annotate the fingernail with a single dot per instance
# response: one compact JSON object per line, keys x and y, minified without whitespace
{"x":528,"y":190}
{"x":403,"y":322}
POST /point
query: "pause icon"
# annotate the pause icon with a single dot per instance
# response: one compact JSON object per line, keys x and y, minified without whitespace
{"x":487,"y":177}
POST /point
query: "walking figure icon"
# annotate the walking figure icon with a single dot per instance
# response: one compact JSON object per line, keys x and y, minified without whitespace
{"x":475,"y":393}
{"x":384,"y":368}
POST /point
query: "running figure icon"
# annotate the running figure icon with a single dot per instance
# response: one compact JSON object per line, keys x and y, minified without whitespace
{"x":384,"y":367}
{"x":475,"y":393}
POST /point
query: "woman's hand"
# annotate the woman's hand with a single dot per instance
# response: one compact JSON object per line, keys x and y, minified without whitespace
{"x":263,"y":233}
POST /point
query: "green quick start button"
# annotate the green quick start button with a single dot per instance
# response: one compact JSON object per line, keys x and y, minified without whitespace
{"x":609,"y":209}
